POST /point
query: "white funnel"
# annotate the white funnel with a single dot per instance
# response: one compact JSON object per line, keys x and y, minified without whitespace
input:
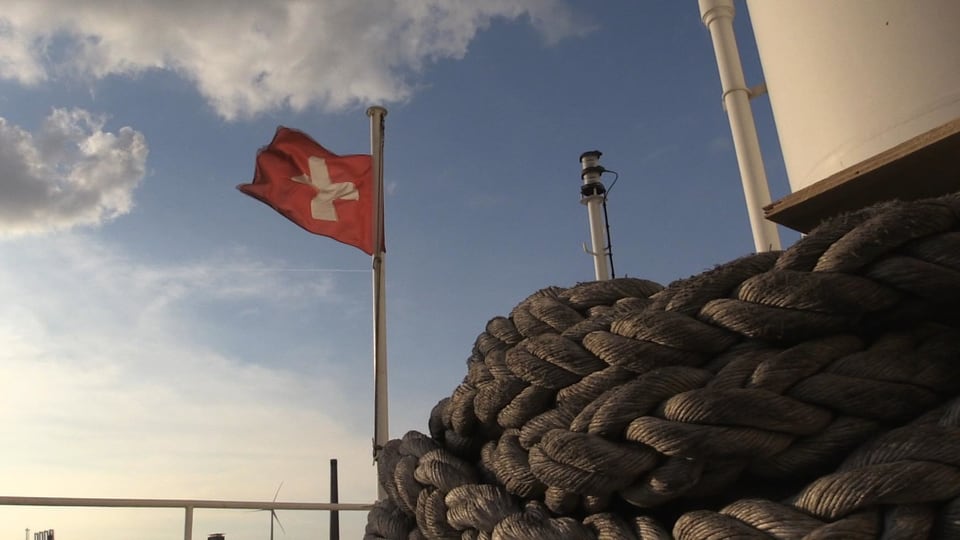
{"x":848,"y":80}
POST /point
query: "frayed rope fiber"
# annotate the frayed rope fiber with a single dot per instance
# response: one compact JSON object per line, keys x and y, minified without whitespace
{"x":812,"y":393}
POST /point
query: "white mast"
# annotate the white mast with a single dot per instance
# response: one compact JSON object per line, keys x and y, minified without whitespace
{"x":717,"y":15}
{"x":592,"y":194}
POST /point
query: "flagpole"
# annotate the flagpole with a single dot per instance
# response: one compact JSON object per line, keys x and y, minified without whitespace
{"x":381,"y":428}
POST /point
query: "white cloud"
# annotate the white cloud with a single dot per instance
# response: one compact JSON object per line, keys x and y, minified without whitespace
{"x":250,"y":56}
{"x":71,"y":172}
{"x":104,"y":393}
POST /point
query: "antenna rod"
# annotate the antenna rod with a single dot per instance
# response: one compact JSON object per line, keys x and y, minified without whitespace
{"x":593,"y":195}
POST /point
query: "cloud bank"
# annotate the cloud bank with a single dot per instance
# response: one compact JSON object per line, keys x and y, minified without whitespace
{"x":70,"y":172}
{"x":249,"y":56}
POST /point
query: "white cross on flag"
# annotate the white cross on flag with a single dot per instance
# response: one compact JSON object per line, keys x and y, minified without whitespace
{"x":322,"y":192}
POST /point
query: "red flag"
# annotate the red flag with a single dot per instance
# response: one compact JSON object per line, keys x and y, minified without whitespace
{"x":322,"y":192}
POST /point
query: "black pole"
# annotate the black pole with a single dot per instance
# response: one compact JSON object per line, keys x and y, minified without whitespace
{"x":334,"y":499}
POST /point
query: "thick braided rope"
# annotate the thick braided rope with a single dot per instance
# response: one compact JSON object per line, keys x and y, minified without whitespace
{"x":813,"y":393}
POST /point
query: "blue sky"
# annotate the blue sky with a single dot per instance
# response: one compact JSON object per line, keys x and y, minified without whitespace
{"x":162,"y":335}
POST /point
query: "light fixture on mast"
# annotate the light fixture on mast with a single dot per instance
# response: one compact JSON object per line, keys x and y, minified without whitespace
{"x":593,"y":194}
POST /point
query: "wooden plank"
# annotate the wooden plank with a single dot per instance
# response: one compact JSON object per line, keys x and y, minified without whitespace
{"x":927,"y":165}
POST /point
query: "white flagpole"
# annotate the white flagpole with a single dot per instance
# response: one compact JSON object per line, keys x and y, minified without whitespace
{"x":381,"y":429}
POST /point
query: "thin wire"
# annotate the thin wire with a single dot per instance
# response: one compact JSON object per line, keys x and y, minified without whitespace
{"x":616,"y":176}
{"x":606,"y":221}
{"x":269,"y":270}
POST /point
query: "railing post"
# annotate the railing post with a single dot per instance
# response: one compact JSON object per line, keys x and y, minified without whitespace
{"x":188,"y":523}
{"x":334,"y":499}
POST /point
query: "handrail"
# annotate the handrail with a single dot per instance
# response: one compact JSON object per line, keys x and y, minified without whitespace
{"x":187,"y":504}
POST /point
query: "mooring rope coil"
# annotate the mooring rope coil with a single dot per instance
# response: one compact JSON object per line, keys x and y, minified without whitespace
{"x":812,"y":393}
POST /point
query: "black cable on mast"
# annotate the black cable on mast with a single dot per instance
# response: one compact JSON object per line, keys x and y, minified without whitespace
{"x":606,"y":221}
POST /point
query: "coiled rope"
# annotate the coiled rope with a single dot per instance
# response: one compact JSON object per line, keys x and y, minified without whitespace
{"x":812,"y":393}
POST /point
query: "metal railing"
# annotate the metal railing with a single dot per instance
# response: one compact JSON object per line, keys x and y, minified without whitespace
{"x":187,"y":504}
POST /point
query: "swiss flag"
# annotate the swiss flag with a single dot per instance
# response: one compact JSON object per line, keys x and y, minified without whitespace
{"x":322,"y":192}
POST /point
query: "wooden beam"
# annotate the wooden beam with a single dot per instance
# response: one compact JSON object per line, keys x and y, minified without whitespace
{"x":927,"y":165}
